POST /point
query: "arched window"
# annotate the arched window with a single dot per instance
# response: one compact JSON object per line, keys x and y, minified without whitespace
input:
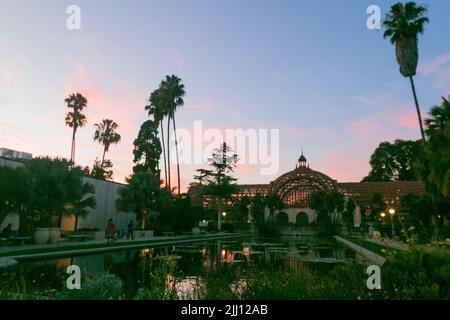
{"x":302,"y":218}
{"x":282,"y":218}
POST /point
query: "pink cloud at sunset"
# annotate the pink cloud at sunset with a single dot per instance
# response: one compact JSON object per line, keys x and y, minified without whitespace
{"x":438,"y":69}
{"x":344,"y":168}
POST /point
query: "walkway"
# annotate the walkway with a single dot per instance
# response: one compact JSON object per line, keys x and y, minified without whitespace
{"x":403,"y":246}
{"x":89,"y":247}
{"x":390,"y":243}
{"x":371,"y":256}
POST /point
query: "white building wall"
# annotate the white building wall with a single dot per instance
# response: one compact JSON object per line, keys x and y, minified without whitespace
{"x":292,"y":214}
{"x":105,"y":196}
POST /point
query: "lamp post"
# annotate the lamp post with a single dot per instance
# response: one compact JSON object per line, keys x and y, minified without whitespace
{"x":392,"y":212}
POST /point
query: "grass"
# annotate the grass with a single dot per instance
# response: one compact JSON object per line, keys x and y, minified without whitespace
{"x":382,"y":250}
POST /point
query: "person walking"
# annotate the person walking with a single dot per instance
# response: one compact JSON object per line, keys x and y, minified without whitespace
{"x":111,"y":231}
{"x":130,"y":233}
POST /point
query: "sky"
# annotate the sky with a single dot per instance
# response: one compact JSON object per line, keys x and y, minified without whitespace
{"x":311,"y":69}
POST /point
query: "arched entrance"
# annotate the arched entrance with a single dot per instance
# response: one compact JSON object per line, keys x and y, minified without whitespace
{"x":282,"y":218}
{"x":302,"y":219}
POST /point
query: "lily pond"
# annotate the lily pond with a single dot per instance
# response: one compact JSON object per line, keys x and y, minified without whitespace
{"x":239,"y":268}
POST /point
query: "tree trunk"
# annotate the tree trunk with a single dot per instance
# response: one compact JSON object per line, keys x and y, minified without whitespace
{"x":103,"y":157}
{"x":164,"y":152}
{"x":176,"y":149}
{"x":219,"y":215}
{"x":143,"y":218}
{"x":72,"y":151}
{"x":168,"y":149}
{"x":417,"y":108}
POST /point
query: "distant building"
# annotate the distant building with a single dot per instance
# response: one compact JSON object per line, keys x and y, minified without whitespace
{"x":14,"y":154}
{"x":295,"y":188}
{"x":105,"y":197}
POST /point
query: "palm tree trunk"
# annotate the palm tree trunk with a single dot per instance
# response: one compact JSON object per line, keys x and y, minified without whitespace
{"x":103,"y":157}
{"x":417,"y":108}
{"x":164,"y":151}
{"x":168,"y":148}
{"x":176,"y":149}
{"x":76,"y":222}
{"x":219,"y":215}
{"x":72,"y":151}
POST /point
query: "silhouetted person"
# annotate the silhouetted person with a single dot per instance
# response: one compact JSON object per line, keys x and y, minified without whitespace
{"x":130,"y":233}
{"x":7,"y":232}
{"x":111,"y":231}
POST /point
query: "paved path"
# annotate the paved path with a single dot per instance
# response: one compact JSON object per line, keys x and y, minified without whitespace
{"x":403,"y":246}
{"x":75,"y":243}
{"x":92,"y":247}
{"x":390,"y":243}
{"x":372,"y":256}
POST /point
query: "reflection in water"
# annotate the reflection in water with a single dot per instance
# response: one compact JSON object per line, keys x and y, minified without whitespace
{"x":184,"y":268}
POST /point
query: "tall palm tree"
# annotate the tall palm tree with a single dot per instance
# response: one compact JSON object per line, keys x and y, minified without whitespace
{"x":404,"y":23}
{"x":173,"y":91}
{"x":75,"y":119}
{"x":106,"y":134}
{"x":157,"y":109}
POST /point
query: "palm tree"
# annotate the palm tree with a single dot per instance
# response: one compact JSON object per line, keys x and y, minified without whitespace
{"x":173,"y":91}
{"x":106,"y":135}
{"x":404,"y":23}
{"x":437,"y":166}
{"x":75,"y":119}
{"x":157,"y":109}
{"x":273,"y":202}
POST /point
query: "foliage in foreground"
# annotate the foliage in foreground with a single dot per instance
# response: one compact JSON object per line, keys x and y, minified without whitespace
{"x":405,"y":275}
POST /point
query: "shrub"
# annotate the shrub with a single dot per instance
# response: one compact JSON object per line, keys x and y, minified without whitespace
{"x":227,"y":227}
{"x":418,"y":275}
{"x":105,"y":287}
{"x":212,"y":226}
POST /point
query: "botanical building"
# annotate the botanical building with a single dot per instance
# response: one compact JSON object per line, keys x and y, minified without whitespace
{"x":295,"y":188}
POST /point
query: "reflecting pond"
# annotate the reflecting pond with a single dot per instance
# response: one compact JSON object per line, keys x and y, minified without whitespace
{"x":182,"y":269}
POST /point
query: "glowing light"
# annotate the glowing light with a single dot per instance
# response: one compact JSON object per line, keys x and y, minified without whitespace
{"x":382,"y":214}
{"x":391,"y":211}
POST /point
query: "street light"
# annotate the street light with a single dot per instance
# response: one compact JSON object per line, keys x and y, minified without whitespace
{"x":392,"y":212}
{"x":224,"y":214}
{"x":383,"y":214}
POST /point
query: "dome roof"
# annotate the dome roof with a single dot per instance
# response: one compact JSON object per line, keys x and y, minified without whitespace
{"x":296,"y":186}
{"x":302,"y":162}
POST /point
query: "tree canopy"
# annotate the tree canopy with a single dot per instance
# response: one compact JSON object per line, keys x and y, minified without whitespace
{"x":394,"y":161}
{"x":147,"y":149}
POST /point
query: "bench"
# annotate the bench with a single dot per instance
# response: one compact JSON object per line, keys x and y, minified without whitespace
{"x":77,"y":237}
{"x":444,"y":244}
{"x":14,"y":241}
{"x":20,"y":240}
{"x":4,"y":242}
